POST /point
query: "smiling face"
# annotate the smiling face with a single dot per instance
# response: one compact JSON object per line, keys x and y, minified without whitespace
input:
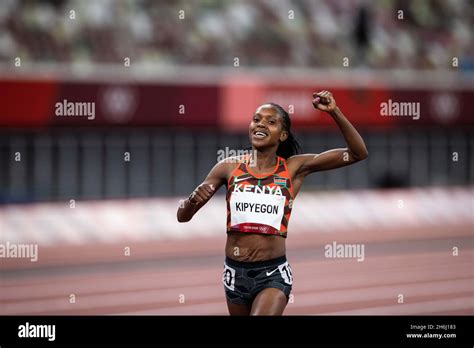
{"x":266,"y":128}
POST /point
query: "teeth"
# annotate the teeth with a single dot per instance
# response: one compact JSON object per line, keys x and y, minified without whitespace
{"x":260,"y":134}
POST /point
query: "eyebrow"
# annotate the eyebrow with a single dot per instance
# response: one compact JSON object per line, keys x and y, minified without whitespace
{"x":259,"y":114}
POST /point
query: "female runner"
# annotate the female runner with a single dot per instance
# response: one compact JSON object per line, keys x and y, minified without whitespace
{"x":257,"y":277}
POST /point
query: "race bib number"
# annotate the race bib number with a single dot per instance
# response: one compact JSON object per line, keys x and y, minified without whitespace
{"x":258,"y":208}
{"x":228,"y":277}
{"x":286,"y":274}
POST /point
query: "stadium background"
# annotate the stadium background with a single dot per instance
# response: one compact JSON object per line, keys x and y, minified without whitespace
{"x":176,"y":82}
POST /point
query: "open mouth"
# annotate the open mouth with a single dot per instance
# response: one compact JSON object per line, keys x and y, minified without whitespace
{"x":259,"y":134}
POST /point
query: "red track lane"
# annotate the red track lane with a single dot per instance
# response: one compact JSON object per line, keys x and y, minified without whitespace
{"x":430,"y":278}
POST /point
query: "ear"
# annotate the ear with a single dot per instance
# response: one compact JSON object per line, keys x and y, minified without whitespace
{"x":283,"y":136}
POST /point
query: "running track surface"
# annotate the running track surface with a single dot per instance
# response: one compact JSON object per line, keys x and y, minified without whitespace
{"x":184,"y":278}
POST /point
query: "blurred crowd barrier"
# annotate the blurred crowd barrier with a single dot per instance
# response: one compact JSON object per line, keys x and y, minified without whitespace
{"x":61,"y":165}
{"x":101,"y":229}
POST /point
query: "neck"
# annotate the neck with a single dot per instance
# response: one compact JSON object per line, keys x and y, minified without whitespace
{"x":265,"y":158}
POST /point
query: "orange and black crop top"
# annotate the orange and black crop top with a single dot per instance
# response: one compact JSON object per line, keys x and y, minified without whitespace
{"x":259,"y":203}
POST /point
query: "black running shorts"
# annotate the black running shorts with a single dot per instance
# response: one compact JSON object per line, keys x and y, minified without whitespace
{"x":244,"y":280}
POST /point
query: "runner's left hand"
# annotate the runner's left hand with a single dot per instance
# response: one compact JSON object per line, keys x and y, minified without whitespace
{"x":324,"y":101}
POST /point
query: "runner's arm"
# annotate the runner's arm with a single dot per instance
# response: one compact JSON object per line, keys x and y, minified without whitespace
{"x":335,"y":158}
{"x":203,"y":193}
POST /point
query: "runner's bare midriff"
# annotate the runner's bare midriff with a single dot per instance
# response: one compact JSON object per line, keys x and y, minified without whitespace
{"x":249,"y":247}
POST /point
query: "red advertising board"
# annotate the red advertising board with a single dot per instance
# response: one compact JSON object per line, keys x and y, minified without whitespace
{"x":227,"y":104}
